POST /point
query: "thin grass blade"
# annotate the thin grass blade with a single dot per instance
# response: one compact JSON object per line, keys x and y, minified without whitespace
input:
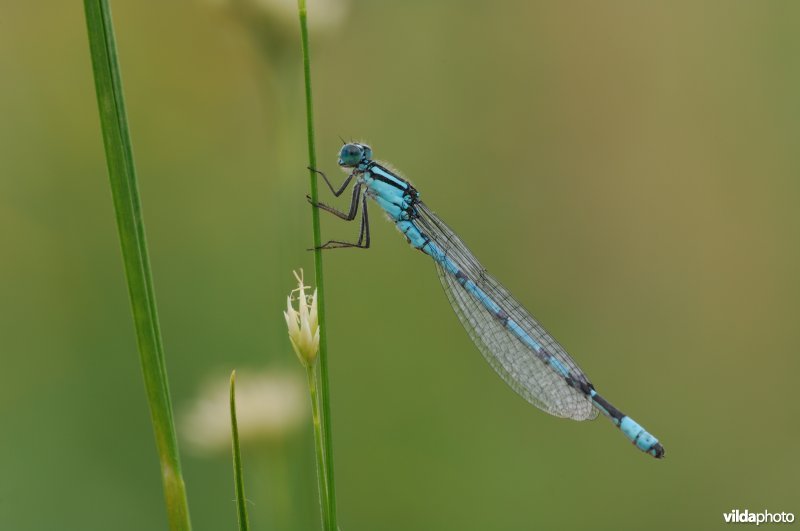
{"x":125,"y":191}
{"x":238,"y":476}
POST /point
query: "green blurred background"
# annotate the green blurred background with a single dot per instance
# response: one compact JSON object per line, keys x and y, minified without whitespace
{"x":628,"y":169}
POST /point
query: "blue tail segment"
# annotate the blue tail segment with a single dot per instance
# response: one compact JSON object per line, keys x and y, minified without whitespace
{"x":640,"y":437}
{"x":514,"y":343}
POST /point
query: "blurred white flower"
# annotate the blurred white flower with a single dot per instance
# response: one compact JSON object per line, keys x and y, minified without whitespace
{"x":270,"y":405}
{"x":302,"y":322}
{"x":322,"y":14}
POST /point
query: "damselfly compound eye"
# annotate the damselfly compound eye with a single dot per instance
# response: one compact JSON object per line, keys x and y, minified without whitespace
{"x":350,"y":155}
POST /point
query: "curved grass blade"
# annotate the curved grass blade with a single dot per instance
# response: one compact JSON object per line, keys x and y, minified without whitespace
{"x":124,"y":188}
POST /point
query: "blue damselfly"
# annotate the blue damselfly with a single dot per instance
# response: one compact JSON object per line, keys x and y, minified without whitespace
{"x":514,"y":343}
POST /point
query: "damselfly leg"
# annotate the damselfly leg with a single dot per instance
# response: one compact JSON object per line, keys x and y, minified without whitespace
{"x":349,"y":216}
{"x":335,"y":192}
{"x":363,"y":236}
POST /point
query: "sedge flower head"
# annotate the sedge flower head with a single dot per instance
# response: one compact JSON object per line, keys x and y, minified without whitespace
{"x":302,"y":322}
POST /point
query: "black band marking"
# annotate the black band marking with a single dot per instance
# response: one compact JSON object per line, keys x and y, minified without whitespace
{"x":503,"y":316}
{"x":395,"y":181}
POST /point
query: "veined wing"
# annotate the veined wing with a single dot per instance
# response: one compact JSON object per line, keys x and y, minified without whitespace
{"x":517,"y":363}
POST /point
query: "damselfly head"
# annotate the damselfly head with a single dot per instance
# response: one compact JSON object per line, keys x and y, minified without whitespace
{"x":354,"y":154}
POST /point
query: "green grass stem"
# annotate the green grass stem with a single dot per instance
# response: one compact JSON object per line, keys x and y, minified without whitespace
{"x":319,"y":445}
{"x":238,"y":477}
{"x":324,"y":392}
{"x":124,"y":188}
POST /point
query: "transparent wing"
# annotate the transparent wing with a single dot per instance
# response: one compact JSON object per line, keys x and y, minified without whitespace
{"x":513,"y":360}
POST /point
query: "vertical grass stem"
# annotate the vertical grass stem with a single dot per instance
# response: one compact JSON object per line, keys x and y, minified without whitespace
{"x":319,"y":445}
{"x":324,"y":391}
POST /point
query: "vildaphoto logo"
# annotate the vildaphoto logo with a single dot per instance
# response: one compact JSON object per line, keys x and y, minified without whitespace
{"x":765,"y":517}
